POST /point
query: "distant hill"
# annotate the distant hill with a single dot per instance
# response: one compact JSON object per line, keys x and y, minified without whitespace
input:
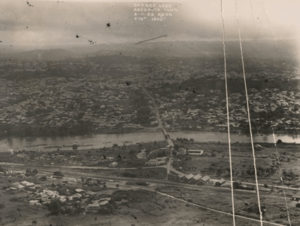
{"x":40,"y":54}
{"x":262,"y":49}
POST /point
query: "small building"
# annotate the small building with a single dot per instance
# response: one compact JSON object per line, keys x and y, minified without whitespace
{"x":195,"y":152}
{"x":156,"y":162}
{"x":93,"y":207}
{"x":76,"y":196}
{"x":35,"y":202}
{"x":27,"y":184}
{"x":188,"y":177}
{"x":151,"y":162}
{"x":12,"y":189}
{"x":22,"y":172}
{"x":180,"y":176}
{"x":62,"y":198}
{"x":113,"y":165}
{"x":258,"y":147}
{"x":195,"y":179}
{"x":161,"y":159}
{"x":69,"y":180}
{"x":205,"y":179}
{"x":142,"y":154}
{"x":78,"y":190}
{"x":20,"y":187}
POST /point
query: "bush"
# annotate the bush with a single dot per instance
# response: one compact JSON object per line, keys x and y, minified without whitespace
{"x":58,"y":174}
{"x":54,"y":207}
{"x":34,"y":171}
{"x":2,"y":206}
{"x":279,"y":141}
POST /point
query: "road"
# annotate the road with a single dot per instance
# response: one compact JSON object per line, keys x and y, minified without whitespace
{"x":160,"y":125}
{"x":169,"y":168}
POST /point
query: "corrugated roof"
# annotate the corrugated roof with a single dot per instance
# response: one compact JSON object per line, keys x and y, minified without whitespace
{"x":189,"y":176}
{"x":197,"y":177}
{"x":205,"y":178}
{"x":181,"y":175}
{"x":221,"y":180}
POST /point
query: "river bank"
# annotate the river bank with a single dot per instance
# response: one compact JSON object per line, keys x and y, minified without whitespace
{"x":108,"y":140}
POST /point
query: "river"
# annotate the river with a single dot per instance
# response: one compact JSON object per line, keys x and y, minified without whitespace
{"x":102,"y":140}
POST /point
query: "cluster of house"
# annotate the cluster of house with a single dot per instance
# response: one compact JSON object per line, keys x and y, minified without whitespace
{"x":61,"y":106}
{"x":43,"y":196}
{"x":198,"y":179}
{"x":177,"y":113}
{"x":98,"y":204}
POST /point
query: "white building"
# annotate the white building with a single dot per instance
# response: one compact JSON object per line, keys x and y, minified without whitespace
{"x":195,"y":152}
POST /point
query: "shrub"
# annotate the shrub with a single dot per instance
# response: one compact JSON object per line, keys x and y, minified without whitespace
{"x":58,"y":174}
{"x":279,"y":141}
{"x":2,"y":206}
{"x":54,"y":207}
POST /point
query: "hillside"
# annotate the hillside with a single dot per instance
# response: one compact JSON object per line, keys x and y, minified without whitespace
{"x":262,"y":49}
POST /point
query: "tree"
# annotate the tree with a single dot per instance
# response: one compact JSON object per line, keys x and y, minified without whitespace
{"x":54,"y":207}
{"x":279,"y":141}
{"x":75,"y":147}
{"x":58,"y":174}
{"x":34,"y":171}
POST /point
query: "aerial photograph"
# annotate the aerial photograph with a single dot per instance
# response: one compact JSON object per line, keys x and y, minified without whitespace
{"x":149,"y":113}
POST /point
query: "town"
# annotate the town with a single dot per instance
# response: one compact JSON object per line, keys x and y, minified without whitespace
{"x":53,"y":98}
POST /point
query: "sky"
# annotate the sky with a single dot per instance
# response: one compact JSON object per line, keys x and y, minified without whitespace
{"x":54,"y":23}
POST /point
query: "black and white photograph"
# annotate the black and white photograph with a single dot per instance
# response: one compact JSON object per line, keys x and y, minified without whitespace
{"x":162,"y":113}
